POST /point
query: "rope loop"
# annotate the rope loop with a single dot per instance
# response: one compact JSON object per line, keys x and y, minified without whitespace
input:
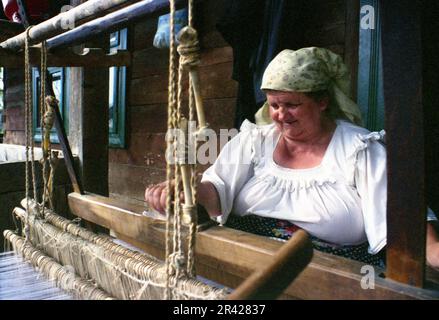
{"x":189,"y":47}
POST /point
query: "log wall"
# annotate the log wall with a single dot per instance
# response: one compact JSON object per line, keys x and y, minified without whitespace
{"x":142,"y":161}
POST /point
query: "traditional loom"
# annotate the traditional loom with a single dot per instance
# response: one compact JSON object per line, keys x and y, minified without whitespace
{"x":91,"y":266}
{"x":229,"y":256}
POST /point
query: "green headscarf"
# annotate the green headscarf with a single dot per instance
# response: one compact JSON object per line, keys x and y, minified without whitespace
{"x":309,"y":70}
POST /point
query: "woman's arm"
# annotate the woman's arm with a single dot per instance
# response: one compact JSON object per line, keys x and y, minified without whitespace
{"x":207,"y":195}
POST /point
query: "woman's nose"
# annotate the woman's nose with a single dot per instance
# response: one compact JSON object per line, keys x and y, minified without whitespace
{"x":281,"y":113}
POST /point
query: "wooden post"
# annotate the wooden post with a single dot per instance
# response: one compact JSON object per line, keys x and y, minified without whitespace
{"x":402,"y":70}
{"x":270,"y":281}
{"x":62,"y":136}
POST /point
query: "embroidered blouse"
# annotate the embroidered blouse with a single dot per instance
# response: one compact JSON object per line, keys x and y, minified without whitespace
{"x":342,"y":200}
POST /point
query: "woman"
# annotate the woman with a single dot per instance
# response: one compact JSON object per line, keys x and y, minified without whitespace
{"x":313,"y":167}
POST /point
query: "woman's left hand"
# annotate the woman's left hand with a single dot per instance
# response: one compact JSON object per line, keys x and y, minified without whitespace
{"x":432,"y":246}
{"x":433,"y":255}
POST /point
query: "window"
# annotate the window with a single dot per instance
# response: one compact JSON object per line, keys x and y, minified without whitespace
{"x":59,"y":76}
{"x":116,"y":94}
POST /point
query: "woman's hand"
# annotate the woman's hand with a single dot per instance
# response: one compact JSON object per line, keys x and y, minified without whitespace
{"x":155,"y":196}
{"x":432,"y":247}
{"x":433,"y":255}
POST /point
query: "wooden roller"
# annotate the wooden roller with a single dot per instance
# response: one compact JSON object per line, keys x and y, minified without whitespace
{"x":270,"y":281}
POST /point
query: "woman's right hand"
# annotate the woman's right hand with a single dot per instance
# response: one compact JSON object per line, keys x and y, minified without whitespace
{"x":155,"y":196}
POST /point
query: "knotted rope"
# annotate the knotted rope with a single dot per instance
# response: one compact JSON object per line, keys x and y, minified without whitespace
{"x":184,"y":174}
{"x":28,"y":128}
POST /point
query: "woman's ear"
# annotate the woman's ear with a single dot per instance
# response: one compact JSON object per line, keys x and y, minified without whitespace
{"x":324,"y":103}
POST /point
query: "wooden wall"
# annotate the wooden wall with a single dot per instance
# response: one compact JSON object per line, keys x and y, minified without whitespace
{"x":12,"y":192}
{"x":13,"y":114}
{"x":142,"y":161}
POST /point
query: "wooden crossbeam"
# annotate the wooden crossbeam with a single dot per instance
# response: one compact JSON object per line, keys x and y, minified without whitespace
{"x":91,"y":58}
{"x":84,"y":12}
{"x":111,"y":22}
{"x":230,"y":256}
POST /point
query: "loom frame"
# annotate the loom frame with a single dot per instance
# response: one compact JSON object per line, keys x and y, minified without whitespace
{"x":327,"y":277}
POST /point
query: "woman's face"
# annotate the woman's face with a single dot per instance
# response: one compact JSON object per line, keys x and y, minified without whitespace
{"x":295,"y":114}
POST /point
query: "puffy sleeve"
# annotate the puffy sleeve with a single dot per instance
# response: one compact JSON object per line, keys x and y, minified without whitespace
{"x":371,"y":183}
{"x":233,"y":168}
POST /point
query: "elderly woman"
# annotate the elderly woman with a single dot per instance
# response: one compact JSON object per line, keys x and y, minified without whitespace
{"x":311,"y":166}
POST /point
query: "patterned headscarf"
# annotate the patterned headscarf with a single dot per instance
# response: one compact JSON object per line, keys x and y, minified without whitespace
{"x":309,"y":70}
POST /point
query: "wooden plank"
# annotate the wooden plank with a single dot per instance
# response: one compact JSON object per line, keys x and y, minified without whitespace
{"x":93,"y":58}
{"x":351,"y":42}
{"x":111,"y":22}
{"x":216,"y":82}
{"x":151,"y":61}
{"x":231,"y":255}
{"x":402,"y":73}
{"x":130,"y":181}
{"x":62,"y":136}
{"x":269,"y":281}
{"x":13,"y":173}
{"x":143,"y":34}
{"x":58,"y":24}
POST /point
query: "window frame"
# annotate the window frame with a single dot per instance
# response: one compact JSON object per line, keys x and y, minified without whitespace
{"x":117,"y":93}
{"x":63,"y":103}
{"x":370,"y":91}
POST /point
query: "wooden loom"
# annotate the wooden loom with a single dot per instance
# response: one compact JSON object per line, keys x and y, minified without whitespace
{"x":238,"y":252}
{"x":289,"y":262}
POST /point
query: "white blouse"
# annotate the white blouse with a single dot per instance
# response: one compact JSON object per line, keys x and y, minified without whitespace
{"x":342,"y":200}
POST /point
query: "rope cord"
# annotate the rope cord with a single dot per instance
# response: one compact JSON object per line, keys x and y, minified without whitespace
{"x":169,"y":144}
{"x":27,"y":105}
{"x":183,"y":173}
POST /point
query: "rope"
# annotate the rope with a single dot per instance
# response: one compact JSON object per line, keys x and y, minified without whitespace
{"x":188,"y":49}
{"x":171,"y":125}
{"x":48,"y":119}
{"x":27,"y":105}
{"x":44,"y":141}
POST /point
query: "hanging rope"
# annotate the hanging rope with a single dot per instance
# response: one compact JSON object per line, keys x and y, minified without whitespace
{"x":183,"y":174}
{"x":28,"y":126}
{"x":46,"y":123}
{"x":169,"y":144}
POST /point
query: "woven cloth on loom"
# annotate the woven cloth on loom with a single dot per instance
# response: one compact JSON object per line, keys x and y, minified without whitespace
{"x":20,"y":281}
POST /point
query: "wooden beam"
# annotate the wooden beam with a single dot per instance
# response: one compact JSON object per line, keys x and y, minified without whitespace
{"x":89,"y":10}
{"x":402,"y":71}
{"x":9,"y":29}
{"x":268,"y":282}
{"x":229,"y":256}
{"x":91,"y":58}
{"x":111,"y":22}
{"x":62,"y":136}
